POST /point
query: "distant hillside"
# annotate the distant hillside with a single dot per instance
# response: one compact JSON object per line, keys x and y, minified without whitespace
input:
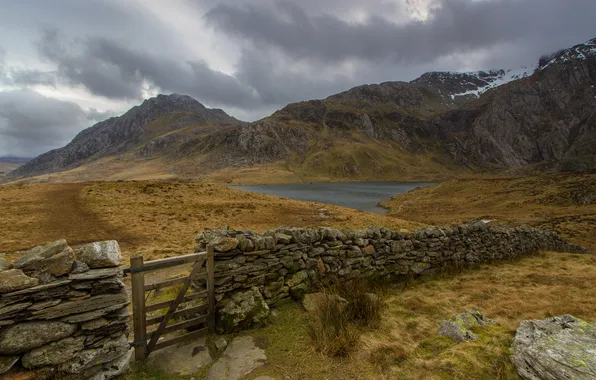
{"x":8,"y":164}
{"x":141,"y":128}
{"x":439,"y":125}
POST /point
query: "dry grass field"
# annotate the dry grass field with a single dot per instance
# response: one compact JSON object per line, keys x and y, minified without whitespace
{"x":406,"y":346}
{"x":160,"y":219}
{"x":564,"y":203}
{"x":157,"y":219}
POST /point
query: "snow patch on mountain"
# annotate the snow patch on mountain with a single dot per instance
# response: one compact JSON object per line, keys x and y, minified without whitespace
{"x":577,"y":52}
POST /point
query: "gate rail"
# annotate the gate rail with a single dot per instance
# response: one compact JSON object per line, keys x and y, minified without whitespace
{"x":146,"y":342}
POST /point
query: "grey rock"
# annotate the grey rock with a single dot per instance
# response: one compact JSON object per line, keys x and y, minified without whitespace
{"x":7,"y":362}
{"x":240,"y":358}
{"x":14,"y":279}
{"x":110,"y":350}
{"x":4,"y":264}
{"x":95,"y":274}
{"x":221,"y":344}
{"x":44,"y":304}
{"x":562,"y":347}
{"x":79,"y":267}
{"x":458,"y":327}
{"x":78,"y":307}
{"x":26,"y":336}
{"x":110,"y":370}
{"x":37,"y":288}
{"x":53,"y":353}
{"x":40,"y":252}
{"x":7,"y":311}
{"x":94,"y":324}
{"x":183,"y":359}
{"x":283,"y":238}
{"x":224,"y":244}
{"x":102,"y":254}
{"x":297,"y":278}
{"x":83,"y":317}
{"x":245,"y":309}
{"x":53,"y":260}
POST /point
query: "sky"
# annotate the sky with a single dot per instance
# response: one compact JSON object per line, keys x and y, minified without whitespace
{"x":67,"y":64}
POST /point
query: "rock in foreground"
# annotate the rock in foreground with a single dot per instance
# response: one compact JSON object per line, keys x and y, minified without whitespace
{"x":240,"y":358}
{"x":457,"y":328}
{"x":562,"y":347}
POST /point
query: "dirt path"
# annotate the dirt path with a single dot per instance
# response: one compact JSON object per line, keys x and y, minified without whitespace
{"x":42,"y":213}
{"x":68,"y":216}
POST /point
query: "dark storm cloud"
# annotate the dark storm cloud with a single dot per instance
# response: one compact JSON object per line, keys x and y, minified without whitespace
{"x":31,"y":124}
{"x":456,"y":26}
{"x":109,"y":69}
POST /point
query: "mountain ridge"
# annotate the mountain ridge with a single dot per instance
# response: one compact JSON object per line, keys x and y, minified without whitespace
{"x":439,"y":124}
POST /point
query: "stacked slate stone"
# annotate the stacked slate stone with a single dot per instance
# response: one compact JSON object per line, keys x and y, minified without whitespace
{"x":261,"y":269}
{"x":63,"y":314}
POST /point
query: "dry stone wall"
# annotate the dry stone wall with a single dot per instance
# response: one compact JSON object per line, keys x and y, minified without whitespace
{"x":64,"y":314}
{"x":254,"y":271}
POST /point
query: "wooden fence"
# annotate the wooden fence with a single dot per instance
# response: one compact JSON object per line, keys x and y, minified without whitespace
{"x":197,"y":320}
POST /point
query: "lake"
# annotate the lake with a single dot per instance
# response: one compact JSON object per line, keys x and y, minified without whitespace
{"x":363,"y":196}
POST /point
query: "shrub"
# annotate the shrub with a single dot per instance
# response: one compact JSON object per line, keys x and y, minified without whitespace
{"x":364,"y":305}
{"x":330,"y":330}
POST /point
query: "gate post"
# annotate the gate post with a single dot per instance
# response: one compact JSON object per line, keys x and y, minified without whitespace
{"x":211,"y":287}
{"x":138,"y":308}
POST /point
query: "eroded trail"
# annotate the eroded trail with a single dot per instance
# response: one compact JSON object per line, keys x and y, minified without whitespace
{"x":41,"y":213}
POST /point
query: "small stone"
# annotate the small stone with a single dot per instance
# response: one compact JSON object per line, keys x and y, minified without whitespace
{"x":224,"y":244}
{"x":457,"y":328}
{"x":6,"y":311}
{"x":79,"y":267}
{"x":297,"y":278}
{"x":95,"y":274}
{"x":14,"y":279}
{"x":102,"y":254}
{"x":368,"y":250}
{"x":26,"y":336}
{"x":283,"y":238}
{"x":53,"y":353}
{"x":44,"y":262}
{"x":7,"y":362}
{"x":4,"y":264}
{"x":221,"y":344}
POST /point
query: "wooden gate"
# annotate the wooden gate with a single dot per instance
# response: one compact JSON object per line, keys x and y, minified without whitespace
{"x":198,"y":320}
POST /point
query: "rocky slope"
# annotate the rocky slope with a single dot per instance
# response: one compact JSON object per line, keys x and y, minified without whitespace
{"x":154,"y":117}
{"x":436,"y":126}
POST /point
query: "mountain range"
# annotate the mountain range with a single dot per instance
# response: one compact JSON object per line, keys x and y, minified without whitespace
{"x":537,"y":118}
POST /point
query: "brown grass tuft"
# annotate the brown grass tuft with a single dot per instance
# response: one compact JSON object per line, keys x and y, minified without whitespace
{"x":330,"y":330}
{"x":386,"y":355}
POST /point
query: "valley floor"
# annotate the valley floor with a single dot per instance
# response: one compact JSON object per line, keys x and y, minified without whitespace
{"x":160,"y":219}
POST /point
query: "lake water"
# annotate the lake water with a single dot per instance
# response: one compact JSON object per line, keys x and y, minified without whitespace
{"x":363,"y":196}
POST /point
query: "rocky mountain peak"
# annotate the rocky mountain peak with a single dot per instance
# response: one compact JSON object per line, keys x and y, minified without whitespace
{"x":578,"y":52}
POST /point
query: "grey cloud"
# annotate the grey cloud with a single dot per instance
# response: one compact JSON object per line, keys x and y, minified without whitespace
{"x":31,"y":123}
{"x":109,"y":69}
{"x":454,"y":27}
